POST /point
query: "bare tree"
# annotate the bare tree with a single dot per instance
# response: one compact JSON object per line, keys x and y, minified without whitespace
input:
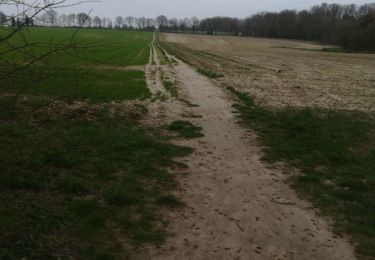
{"x":3,"y":19}
{"x":150,"y":24}
{"x":83,"y":19}
{"x":162,"y":22}
{"x":49,"y":17}
{"x":104,"y":22}
{"x":119,"y":21}
{"x":97,"y":21}
{"x":135,"y":22}
{"x":63,"y":20}
{"x":129,"y":21}
{"x":173,"y":24}
{"x":142,"y":21}
{"x":195,"y":21}
{"x":109,"y":24}
{"x":72,"y":19}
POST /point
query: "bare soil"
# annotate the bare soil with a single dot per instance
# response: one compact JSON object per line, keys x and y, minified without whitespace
{"x":282,"y":73}
{"x":237,"y":206}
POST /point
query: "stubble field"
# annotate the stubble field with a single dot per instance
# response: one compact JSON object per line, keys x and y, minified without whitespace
{"x":282,"y":73}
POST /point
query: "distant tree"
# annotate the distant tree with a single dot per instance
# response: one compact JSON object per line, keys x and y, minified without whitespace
{"x":104,"y":22}
{"x":119,"y":21}
{"x":142,"y":23}
{"x":83,"y":19}
{"x":29,"y":21}
{"x":150,"y":24}
{"x":72,"y":19}
{"x":3,"y":18}
{"x":63,"y":20}
{"x":162,"y":22}
{"x":173,"y":25}
{"x":109,"y":24}
{"x":49,"y":17}
{"x":97,"y":21}
{"x":195,"y":23}
{"x":13,"y":22}
{"x":135,"y":22}
{"x":129,"y":21}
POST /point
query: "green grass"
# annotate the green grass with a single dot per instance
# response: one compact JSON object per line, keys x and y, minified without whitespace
{"x":73,"y":186}
{"x":98,"y":46}
{"x":171,"y":87}
{"x":185,"y":129}
{"x":95,"y":85}
{"x":209,"y":73}
{"x":80,"y":177}
{"x":162,"y":54}
{"x":336,"y":152}
{"x":89,"y":71}
{"x":162,"y":58}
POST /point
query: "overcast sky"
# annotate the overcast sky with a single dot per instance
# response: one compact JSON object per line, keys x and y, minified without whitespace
{"x":199,"y":8}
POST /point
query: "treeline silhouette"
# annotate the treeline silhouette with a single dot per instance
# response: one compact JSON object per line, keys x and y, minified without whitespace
{"x":351,"y":26}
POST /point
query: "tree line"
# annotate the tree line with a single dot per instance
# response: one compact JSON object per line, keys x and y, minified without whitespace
{"x":51,"y":18}
{"x":350,"y":26}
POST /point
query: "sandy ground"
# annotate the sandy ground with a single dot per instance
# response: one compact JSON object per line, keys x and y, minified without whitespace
{"x":237,"y":206}
{"x":282,"y":73}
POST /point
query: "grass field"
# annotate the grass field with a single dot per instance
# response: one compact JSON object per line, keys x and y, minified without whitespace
{"x":80,"y":176}
{"x":311,"y":109}
{"x":97,"y":60}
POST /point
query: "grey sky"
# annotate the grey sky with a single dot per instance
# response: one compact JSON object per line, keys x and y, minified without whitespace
{"x":199,"y":8}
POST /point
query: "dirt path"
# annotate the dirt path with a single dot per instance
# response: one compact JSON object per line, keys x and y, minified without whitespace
{"x":237,"y":207}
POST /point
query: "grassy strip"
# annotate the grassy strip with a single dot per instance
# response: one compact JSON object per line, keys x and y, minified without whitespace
{"x":172,"y":48}
{"x":171,"y":87}
{"x":163,"y":60}
{"x":335,"y":150}
{"x":162,"y":52}
{"x":75,"y":182}
{"x":209,"y":73}
{"x":185,"y":129}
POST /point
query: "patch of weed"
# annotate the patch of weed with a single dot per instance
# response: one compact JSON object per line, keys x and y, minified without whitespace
{"x":209,"y":73}
{"x":185,"y":129}
{"x":171,"y":87}
{"x":169,"y":201}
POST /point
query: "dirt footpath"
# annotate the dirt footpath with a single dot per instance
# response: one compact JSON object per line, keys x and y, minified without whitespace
{"x":237,"y":207}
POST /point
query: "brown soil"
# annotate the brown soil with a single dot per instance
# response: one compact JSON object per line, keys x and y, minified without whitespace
{"x":282,"y":73}
{"x":237,"y":206}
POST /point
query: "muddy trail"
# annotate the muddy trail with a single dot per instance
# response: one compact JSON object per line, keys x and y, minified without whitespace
{"x":237,"y":207}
